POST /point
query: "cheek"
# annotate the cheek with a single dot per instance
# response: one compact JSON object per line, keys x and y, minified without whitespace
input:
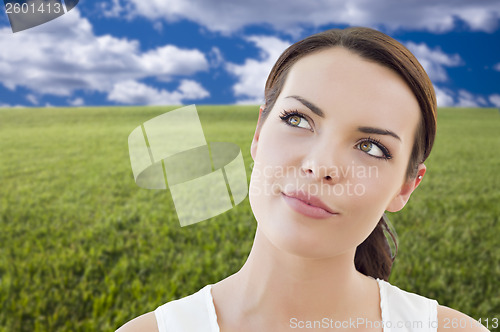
{"x":372,"y":192}
{"x":363,"y":205}
{"x":273,"y":159}
{"x":276,"y":147}
{"x":270,"y":160}
{"x":262,"y":186}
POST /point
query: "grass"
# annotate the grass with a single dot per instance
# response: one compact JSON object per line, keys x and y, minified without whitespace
{"x":82,"y":248}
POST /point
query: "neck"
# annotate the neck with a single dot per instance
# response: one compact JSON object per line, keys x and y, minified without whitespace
{"x":284,"y":285}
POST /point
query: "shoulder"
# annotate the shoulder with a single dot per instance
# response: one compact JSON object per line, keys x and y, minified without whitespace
{"x":453,"y":320}
{"x":405,"y":306}
{"x":144,"y":323}
{"x":190,"y":313}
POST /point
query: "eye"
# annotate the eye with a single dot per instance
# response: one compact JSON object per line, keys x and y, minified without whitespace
{"x":371,"y":149}
{"x":374,"y":148}
{"x":295,"y":119}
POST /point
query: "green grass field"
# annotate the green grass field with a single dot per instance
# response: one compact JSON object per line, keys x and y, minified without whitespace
{"x":82,"y":248}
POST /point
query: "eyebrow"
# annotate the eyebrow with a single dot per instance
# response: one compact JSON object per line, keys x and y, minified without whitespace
{"x":378,"y":131}
{"x":315,"y":109}
{"x":367,"y":130}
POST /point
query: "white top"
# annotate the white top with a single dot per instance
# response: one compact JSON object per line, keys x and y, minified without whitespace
{"x":401,"y":311}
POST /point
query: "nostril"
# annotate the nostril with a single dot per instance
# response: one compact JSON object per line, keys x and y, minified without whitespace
{"x":328,"y":177}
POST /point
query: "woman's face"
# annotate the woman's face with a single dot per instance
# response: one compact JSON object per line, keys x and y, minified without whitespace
{"x":332,"y":154}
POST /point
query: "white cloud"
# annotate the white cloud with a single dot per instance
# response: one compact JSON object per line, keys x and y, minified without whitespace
{"x":158,"y":26}
{"x":252,"y":74}
{"x":464,"y":98}
{"x":216,"y":57}
{"x":226,"y":16}
{"x":497,"y":67}
{"x":32,"y":99}
{"x":467,"y":99}
{"x":66,"y":55}
{"x":444,"y":97}
{"x":12,"y":106}
{"x":170,"y":60}
{"x":189,"y":89}
{"x":133,"y":92}
{"x":77,"y":102}
{"x":113,"y":10}
{"x":434,"y":60}
{"x":482,"y":16}
{"x":495,"y":100}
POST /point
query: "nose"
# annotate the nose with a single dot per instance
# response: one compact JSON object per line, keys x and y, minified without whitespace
{"x":320,"y":164}
{"x":319,"y":173}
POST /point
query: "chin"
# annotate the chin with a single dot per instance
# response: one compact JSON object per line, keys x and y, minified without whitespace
{"x":296,"y":238}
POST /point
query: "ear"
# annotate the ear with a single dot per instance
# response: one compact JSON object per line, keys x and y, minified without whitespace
{"x":255,"y":141}
{"x":403,"y":196}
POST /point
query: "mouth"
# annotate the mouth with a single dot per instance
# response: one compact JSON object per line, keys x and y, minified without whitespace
{"x":308,"y":205}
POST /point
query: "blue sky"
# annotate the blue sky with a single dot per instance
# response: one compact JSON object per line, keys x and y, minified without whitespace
{"x":136,"y":52}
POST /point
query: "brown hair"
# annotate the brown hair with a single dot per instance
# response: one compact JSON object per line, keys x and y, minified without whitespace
{"x":373,"y":256}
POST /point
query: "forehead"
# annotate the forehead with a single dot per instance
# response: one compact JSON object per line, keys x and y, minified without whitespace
{"x":351,"y":88}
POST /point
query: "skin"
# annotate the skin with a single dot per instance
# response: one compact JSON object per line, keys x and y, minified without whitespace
{"x":301,"y":266}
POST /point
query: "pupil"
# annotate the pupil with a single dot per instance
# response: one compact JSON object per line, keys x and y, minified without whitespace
{"x":366,"y":146}
{"x":294,"y":120}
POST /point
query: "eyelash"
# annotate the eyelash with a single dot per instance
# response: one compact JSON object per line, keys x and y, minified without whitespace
{"x":286,"y":114}
{"x":385,"y":151}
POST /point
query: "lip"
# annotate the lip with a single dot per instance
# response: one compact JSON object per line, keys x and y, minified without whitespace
{"x":308,"y":205}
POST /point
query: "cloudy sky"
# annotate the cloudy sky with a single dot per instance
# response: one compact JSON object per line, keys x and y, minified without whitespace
{"x":158,"y":52}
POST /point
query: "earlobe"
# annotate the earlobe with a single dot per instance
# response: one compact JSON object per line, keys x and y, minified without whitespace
{"x":261,"y":109}
{"x":255,"y":141}
{"x":407,"y":189}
